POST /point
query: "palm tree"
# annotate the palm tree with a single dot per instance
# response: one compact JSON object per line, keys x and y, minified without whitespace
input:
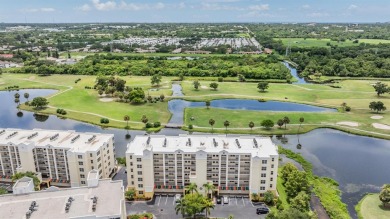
{"x":212,"y":122}
{"x":280,"y":123}
{"x":301,"y":120}
{"x":26,"y":95}
{"x":251,"y":125}
{"x":192,"y":188}
{"x":126,"y":118}
{"x":208,"y":187}
{"x":181,"y":207}
{"x":17,"y":101}
{"x":286,"y":121}
{"x":226,"y":124}
{"x":207,"y":206}
{"x":17,"y":95}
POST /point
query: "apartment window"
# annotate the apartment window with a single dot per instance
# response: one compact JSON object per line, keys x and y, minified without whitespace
{"x":140,"y":185}
{"x":98,"y":153}
{"x":132,"y":176}
{"x":263,"y":168}
{"x":141,"y":192}
{"x":140,"y":179}
{"x":272,"y":179}
{"x":139,"y":166}
{"x":131,"y":157}
{"x":80,"y":156}
{"x":82,"y":182}
{"x":262,"y":182}
{"x":81,"y":169}
{"x":81,"y":163}
{"x":273,"y":159}
{"x":90,"y":155}
{"x":131,"y":163}
{"x":131,"y":170}
{"x":272,"y":172}
{"x":132,"y":182}
{"x":262,"y":188}
{"x":82,"y":176}
{"x":270,"y":185}
{"x":139,"y":172}
{"x":263,"y":175}
{"x":91,"y":161}
{"x":264,"y":161}
{"x":139,"y":159}
{"x":272,"y":166}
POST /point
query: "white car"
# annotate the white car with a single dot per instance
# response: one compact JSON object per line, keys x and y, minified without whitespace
{"x":226,"y":200}
{"x":177,"y":198}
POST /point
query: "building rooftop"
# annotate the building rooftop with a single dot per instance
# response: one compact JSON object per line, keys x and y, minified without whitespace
{"x":76,"y":141}
{"x":51,"y":203}
{"x":23,"y":182}
{"x":256,"y":146}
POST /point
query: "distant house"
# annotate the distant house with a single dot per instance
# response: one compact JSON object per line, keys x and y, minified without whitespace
{"x":268,"y":51}
{"x":197,"y":52}
{"x":251,"y":53}
{"x":176,"y":51}
{"x":7,"y":56}
{"x":139,"y":50}
{"x":8,"y":64}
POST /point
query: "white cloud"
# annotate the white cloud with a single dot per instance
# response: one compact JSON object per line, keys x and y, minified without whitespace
{"x":181,"y":5}
{"x":85,"y":7}
{"x":306,"y":7}
{"x":33,"y":10}
{"x":219,"y":7}
{"x":104,"y":6}
{"x":220,"y":1}
{"x":263,"y":7}
{"x":352,"y":7}
{"x":318,"y":14}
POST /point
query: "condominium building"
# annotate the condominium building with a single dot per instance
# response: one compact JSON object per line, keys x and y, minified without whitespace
{"x":99,"y":199}
{"x":61,"y":158}
{"x":164,"y":164}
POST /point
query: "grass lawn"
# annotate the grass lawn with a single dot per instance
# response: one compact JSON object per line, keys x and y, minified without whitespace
{"x":84,"y":104}
{"x":370,"y":207}
{"x":313,"y":42}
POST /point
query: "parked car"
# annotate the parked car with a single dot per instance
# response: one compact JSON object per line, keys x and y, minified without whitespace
{"x":226,"y":200}
{"x":262,"y":210}
{"x":177,"y":198}
{"x":219,"y":199}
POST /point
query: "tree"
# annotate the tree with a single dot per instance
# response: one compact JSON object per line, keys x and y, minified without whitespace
{"x":286,"y":121}
{"x":381,"y":88}
{"x":208,"y":187}
{"x":255,"y":197}
{"x":26,"y":95}
{"x":212,"y":122}
{"x":162,"y":97}
{"x":267,"y":124}
{"x":280,"y":123}
{"x":384,"y":195}
{"x":290,"y":213}
{"x":130,"y":194}
{"x":194,"y":204}
{"x":144,"y":119}
{"x":297,"y":181}
{"x":208,"y":103}
{"x":196,"y":84}
{"x":156,"y":79}
{"x":181,"y":207}
{"x":126,"y":118}
{"x":17,"y":101}
{"x":226,"y":124}
{"x":100,"y":92}
{"x":192,"y":187}
{"x":287,"y":170}
{"x":150,"y":99}
{"x":300,"y":202}
{"x":377,"y":106}
{"x":30,"y":174}
{"x":262,"y":86}
{"x":214,"y":85}
{"x":17,"y":95}
{"x":269,"y":198}
{"x":207,"y":206}
{"x":251,"y":125}
{"x":301,"y":120}
{"x":3,"y":191}
{"x":39,"y":102}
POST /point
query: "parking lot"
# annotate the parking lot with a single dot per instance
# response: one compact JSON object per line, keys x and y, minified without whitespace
{"x":163,"y":207}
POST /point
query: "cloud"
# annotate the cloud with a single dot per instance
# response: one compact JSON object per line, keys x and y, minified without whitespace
{"x":255,"y":14}
{"x":84,"y":7}
{"x":33,"y":10}
{"x":352,"y":7}
{"x":219,"y":7}
{"x":306,"y":7}
{"x":220,"y":1}
{"x":104,"y":6}
{"x":263,"y":7}
{"x":318,"y":15}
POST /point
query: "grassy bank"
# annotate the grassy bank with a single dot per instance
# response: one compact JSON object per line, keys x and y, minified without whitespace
{"x":325,"y":188}
{"x":314,"y":42}
{"x":370,"y":207}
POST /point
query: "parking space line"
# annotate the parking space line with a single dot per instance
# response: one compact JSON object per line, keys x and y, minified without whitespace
{"x":236,"y":200}
{"x":159,"y":199}
{"x":173,"y":201}
{"x":166,"y":200}
{"x":243,"y":202}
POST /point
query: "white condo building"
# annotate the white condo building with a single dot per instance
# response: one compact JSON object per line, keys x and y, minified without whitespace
{"x":165,"y":164}
{"x":61,"y":158}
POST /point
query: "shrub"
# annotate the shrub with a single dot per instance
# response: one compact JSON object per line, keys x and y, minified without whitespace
{"x":220,"y":79}
{"x":348,"y":108}
{"x":104,"y":121}
{"x":61,"y":111}
{"x":157,"y":124}
{"x":148,"y":125}
{"x":190,"y":126}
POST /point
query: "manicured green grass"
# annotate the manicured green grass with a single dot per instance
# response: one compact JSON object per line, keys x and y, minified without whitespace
{"x":370,"y":207}
{"x":313,"y":42}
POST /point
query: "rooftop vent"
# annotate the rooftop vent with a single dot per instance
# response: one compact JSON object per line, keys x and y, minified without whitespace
{"x":238,"y":143}
{"x":94,"y":203}
{"x":54,"y":137}
{"x":31,"y":209}
{"x":148,"y":141}
{"x":215,"y":143}
{"x":75,"y":139}
{"x":12,"y":135}
{"x":189,"y":142}
{"x":32,"y":136}
{"x":2,"y":132}
{"x":165,"y":142}
{"x":68,"y":204}
{"x":255,"y":143}
{"x":91,"y":138}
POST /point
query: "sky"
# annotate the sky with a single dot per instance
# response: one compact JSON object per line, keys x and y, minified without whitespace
{"x":192,"y":11}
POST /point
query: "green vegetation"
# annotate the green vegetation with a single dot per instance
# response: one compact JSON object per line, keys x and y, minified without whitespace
{"x":3,"y":191}
{"x":140,"y":216}
{"x":370,"y":207}
{"x":193,"y":202}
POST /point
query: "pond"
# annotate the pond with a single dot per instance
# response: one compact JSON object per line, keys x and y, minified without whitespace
{"x":359,"y":164}
{"x":176,"y":107}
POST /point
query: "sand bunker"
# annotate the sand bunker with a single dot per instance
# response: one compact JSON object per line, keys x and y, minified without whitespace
{"x":204,"y":87}
{"x":381,"y":126}
{"x":106,"y":99}
{"x":352,"y":124}
{"x":376,"y":117}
